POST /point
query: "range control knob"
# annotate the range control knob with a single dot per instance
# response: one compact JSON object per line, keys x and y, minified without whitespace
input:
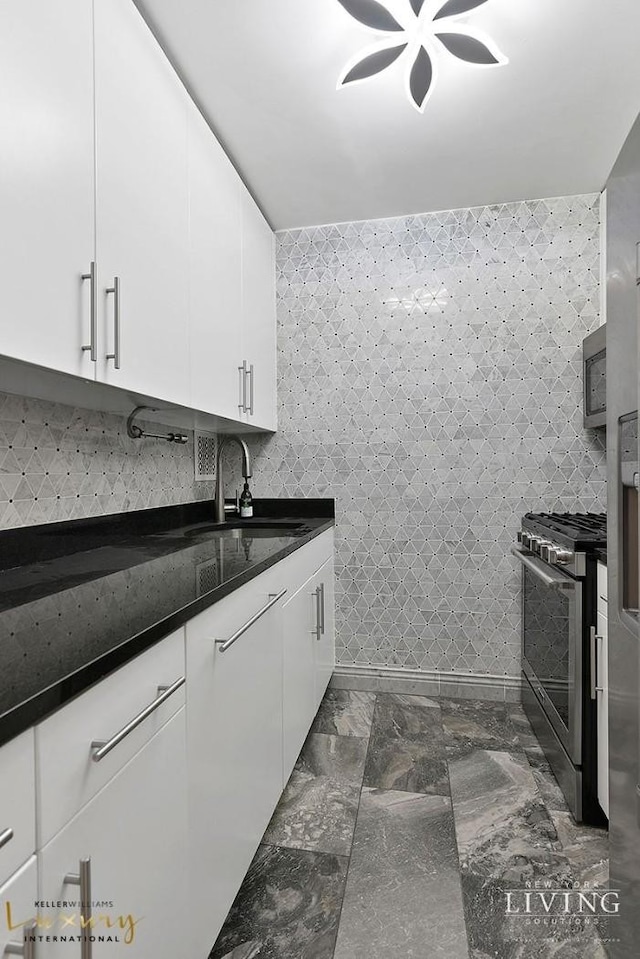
{"x":540,"y":545}
{"x":561,"y":556}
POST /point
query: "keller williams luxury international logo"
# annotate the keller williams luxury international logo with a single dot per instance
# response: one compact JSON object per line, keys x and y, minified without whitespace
{"x":69,"y":923}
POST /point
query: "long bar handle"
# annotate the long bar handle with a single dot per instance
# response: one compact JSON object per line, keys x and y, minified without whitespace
{"x":26,"y":948}
{"x":103,"y":747}
{"x":115,"y":289}
{"x":93,"y":341}
{"x":559,"y":582}
{"x":250,"y":372}
{"x":242,"y":370}
{"x":321,"y":591}
{"x":6,"y":836}
{"x":82,"y":878}
{"x":594,"y":638}
{"x":318,"y":627}
{"x":225,"y":644}
{"x":592,"y":671}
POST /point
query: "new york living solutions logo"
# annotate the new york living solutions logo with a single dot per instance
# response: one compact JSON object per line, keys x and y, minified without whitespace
{"x":565,"y":909}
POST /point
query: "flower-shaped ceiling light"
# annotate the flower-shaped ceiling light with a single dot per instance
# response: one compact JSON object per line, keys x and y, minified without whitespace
{"x":419,"y":39}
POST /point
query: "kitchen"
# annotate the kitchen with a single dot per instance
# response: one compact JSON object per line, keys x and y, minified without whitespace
{"x":409,"y":385}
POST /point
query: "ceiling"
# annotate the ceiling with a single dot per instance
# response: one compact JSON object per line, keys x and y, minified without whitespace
{"x":549,"y":122}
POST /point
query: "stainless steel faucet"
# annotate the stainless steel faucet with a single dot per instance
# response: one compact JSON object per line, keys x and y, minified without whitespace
{"x":220,"y":506}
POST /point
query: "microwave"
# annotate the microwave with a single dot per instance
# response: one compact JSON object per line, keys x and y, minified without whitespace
{"x":594,"y":369}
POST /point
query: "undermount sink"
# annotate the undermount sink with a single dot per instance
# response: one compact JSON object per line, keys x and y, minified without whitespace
{"x":251,"y":529}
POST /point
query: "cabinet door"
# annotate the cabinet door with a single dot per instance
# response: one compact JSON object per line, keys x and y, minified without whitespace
{"x":602,"y":704}
{"x":46,"y":181}
{"x":17,"y":904}
{"x":141,"y":207}
{"x":325,"y":648}
{"x":134,"y":832}
{"x":17,"y":803}
{"x":234,"y":748}
{"x":259,"y":314}
{"x":215,"y":305}
{"x":300,"y":637}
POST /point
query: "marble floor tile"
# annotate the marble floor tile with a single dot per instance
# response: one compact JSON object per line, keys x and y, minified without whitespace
{"x":403,"y":897}
{"x":522,"y":727}
{"x":546,"y":782}
{"x":494,"y":934}
{"x":318,"y":808}
{"x":586,"y":848}
{"x":345,"y":712}
{"x":472,"y":724}
{"x":503,"y":829}
{"x":406,"y":748}
{"x":288,"y":907}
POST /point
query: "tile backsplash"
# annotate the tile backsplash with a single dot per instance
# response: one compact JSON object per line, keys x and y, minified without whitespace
{"x":430,"y":380}
{"x":59,"y":463}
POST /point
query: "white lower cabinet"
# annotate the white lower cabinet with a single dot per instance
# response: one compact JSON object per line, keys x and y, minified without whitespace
{"x":134,"y":834}
{"x":17,"y":803}
{"x":160,"y":832}
{"x":234,"y":700}
{"x":308,"y":658}
{"x":17,"y":902}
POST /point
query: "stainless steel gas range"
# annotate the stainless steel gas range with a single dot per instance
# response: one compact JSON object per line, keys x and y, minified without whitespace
{"x":557,"y":552}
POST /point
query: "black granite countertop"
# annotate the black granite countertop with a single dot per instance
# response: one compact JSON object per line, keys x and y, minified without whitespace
{"x":80,"y":599}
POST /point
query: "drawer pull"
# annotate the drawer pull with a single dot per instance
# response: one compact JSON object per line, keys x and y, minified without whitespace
{"x":83,"y":879}
{"x":224,"y":644}
{"x":6,"y":837}
{"x":26,"y":948}
{"x":103,"y":747}
{"x":319,"y":627}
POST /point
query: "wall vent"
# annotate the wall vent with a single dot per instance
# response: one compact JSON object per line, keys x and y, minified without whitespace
{"x":205,"y":450}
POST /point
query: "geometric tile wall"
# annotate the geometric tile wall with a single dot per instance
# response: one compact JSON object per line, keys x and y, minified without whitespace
{"x":430,"y":379}
{"x":59,"y":463}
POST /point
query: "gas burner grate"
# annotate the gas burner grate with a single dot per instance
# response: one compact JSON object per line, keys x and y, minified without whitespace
{"x":580,"y":530}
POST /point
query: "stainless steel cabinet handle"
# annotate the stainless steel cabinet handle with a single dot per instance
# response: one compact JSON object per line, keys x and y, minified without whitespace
{"x":115,"y":289}
{"x":93,"y":341}
{"x":83,"y":879}
{"x":6,"y":836}
{"x":318,"y":627}
{"x":321,"y":591}
{"x":250,"y":410}
{"x":593,"y":639}
{"x":537,"y":567}
{"x":225,"y":644}
{"x":26,"y":948}
{"x":103,"y":747}
{"x":242,"y":370}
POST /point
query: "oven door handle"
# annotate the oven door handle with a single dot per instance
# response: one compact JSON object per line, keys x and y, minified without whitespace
{"x":541,"y":571}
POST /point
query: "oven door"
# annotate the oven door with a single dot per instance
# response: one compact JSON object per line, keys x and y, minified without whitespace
{"x":552,"y":647}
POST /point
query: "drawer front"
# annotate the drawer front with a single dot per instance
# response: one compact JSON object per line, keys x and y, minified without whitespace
{"x":17,"y":904}
{"x":17,"y":803}
{"x":68,"y":774}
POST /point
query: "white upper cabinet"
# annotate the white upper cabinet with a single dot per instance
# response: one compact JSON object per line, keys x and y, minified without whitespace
{"x":46,"y":182}
{"x":130,"y":250}
{"x":258,"y":316}
{"x":141,"y":208}
{"x":215,"y":272}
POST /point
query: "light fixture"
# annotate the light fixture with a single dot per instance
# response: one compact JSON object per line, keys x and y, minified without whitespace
{"x":419,"y":39}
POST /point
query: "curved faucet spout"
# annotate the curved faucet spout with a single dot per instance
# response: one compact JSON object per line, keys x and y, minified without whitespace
{"x":246,"y":471}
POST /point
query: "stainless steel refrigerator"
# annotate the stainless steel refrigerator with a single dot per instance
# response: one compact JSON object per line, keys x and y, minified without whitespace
{"x":622,"y":299}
